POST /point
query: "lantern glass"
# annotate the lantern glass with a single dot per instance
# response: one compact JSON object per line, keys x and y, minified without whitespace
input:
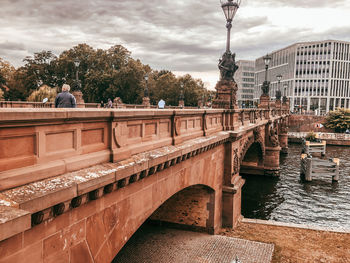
{"x":267,"y":60}
{"x":146,"y":77}
{"x":76,"y":62}
{"x":230,"y":8}
{"x":279,"y":77}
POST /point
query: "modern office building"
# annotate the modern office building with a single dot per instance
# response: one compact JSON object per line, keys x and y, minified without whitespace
{"x":244,"y":78}
{"x":315,"y":75}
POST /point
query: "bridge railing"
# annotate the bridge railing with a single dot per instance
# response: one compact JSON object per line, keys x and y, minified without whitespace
{"x":42,"y":142}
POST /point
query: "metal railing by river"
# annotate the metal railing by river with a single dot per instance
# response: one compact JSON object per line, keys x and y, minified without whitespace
{"x":288,"y":199}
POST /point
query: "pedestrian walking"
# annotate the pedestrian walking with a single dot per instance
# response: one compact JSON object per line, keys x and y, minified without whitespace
{"x":109,"y":104}
{"x":65,"y":99}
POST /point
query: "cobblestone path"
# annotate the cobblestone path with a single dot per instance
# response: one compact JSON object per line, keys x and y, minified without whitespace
{"x":162,"y":245}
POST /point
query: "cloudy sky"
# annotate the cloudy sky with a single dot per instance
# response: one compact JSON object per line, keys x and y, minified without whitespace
{"x":184,"y":36}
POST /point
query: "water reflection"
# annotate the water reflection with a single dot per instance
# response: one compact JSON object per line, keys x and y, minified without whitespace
{"x":288,"y":199}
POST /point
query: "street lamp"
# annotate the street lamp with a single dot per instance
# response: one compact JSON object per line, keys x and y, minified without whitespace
{"x":266,"y":85}
{"x":146,"y":89}
{"x":278,"y":91}
{"x":230,"y":8}
{"x":77,"y":63}
{"x":182,"y":97}
{"x":285,"y":87}
{"x":227,"y":64}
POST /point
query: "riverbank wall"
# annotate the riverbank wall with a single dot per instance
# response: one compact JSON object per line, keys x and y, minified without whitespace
{"x":339,"y":139}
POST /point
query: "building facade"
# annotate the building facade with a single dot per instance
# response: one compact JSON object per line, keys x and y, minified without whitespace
{"x":315,"y":75}
{"x":245,"y":80}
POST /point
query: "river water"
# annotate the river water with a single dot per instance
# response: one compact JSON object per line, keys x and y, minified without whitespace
{"x":288,"y":199}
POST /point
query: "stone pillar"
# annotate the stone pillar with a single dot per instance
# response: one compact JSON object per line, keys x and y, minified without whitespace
{"x":231,"y":203}
{"x":272,"y":161}
{"x":272,"y":151}
{"x":283,"y":138}
{"x":264,"y":102}
{"x":226,"y":95}
{"x":79,"y":98}
{"x":146,"y":103}
{"x":232,"y":187}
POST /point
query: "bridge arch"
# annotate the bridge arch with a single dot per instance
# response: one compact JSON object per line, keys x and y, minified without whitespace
{"x":253,"y":155}
{"x":187,"y":194}
{"x":190,"y":208}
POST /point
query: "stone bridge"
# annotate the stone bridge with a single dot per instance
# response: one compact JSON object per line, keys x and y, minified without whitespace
{"x":76,"y":184}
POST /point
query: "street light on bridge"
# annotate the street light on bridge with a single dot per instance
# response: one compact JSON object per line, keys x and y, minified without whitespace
{"x":77,"y":63}
{"x":278,"y":91}
{"x":266,"y":85}
{"x":227,"y":64}
{"x":146,"y":88}
{"x":145,"y":100}
{"x":285,"y":88}
{"x":230,"y":8}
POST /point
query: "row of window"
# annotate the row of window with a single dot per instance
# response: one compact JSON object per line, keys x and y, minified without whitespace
{"x":301,"y":62}
{"x":248,"y":74}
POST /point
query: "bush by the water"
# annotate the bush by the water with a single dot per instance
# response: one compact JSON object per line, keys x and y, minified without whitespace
{"x":311,"y":137}
{"x":339,"y":120}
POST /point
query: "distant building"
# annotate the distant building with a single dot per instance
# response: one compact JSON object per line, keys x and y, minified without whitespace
{"x":244,"y":78}
{"x":316,"y":75}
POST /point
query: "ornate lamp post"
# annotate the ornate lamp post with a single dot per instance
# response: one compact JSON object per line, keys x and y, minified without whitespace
{"x":145,"y":101}
{"x":230,"y":8}
{"x":146,"y":89}
{"x":278,"y":91}
{"x":285,"y":88}
{"x":182,"y":97}
{"x":77,"y":63}
{"x":226,"y":87}
{"x":76,"y":92}
{"x":265,"y":98}
{"x":266,"y":84}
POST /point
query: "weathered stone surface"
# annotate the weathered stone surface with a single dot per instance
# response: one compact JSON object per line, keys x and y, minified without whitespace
{"x":157,"y":154}
{"x":12,"y":220}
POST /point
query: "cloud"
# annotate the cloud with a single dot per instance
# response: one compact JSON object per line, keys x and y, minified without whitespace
{"x":182,"y":35}
{"x":12,"y":46}
{"x":300,"y":3}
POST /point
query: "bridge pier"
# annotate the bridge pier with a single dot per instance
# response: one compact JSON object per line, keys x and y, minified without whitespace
{"x":231,"y":202}
{"x":283,"y":138}
{"x":272,"y":161}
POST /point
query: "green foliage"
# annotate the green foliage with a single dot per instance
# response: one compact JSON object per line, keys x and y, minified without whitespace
{"x":311,"y":137}
{"x":102,"y":74}
{"x":42,"y":93}
{"x":339,"y":120}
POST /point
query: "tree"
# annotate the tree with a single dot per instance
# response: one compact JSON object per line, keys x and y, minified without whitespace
{"x":42,"y":93}
{"x":102,"y":74}
{"x":6,"y":75}
{"x":1,"y":94}
{"x":339,"y":120}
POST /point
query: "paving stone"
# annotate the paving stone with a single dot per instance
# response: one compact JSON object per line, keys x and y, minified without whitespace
{"x":157,"y":244}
